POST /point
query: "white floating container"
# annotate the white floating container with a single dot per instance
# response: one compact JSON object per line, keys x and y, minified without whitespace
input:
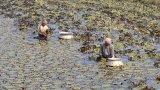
{"x":65,"y":35}
{"x":114,"y":62}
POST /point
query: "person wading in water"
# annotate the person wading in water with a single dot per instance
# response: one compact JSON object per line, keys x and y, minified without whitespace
{"x":107,"y":49}
{"x":43,"y":30}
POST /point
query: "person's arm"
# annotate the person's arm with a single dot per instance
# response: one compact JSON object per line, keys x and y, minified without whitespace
{"x":47,"y":28}
{"x":101,"y":51}
{"x":112,"y":51}
{"x":39,"y":27}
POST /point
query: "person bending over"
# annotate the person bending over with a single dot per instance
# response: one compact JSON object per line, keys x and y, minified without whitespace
{"x":43,"y":30}
{"x":107,"y":49}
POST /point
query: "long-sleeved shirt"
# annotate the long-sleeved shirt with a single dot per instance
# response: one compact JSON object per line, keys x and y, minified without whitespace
{"x":107,"y":51}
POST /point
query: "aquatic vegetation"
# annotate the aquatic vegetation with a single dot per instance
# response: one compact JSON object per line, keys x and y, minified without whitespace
{"x":158,"y":79}
{"x":132,"y":58}
{"x":119,"y":46}
{"x":133,"y":25}
{"x":140,"y":20}
{"x":157,"y":64}
{"x":41,"y":2}
{"x":157,"y":56}
{"x":151,"y":2}
{"x":103,"y":61}
{"x":97,"y":48}
{"x":148,"y":88}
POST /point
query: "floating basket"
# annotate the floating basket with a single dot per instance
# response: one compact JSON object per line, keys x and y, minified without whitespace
{"x":65,"y":35}
{"x":114,"y":62}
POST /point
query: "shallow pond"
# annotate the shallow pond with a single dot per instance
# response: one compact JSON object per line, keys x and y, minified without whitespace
{"x":29,"y":64}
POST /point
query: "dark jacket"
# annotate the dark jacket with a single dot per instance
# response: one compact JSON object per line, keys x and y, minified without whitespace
{"x":107,"y":51}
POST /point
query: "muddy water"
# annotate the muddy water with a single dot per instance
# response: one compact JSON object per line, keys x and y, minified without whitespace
{"x":29,"y":64}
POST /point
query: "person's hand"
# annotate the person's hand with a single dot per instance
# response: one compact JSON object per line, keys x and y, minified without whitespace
{"x":43,"y":33}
